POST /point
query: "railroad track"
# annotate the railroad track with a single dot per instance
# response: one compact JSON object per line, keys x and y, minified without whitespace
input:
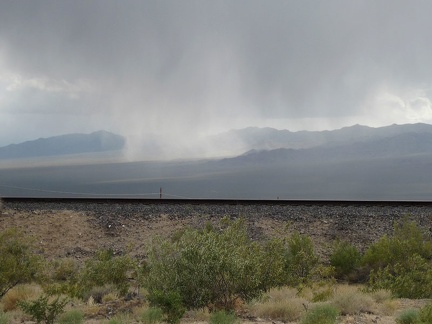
{"x":152,"y":201}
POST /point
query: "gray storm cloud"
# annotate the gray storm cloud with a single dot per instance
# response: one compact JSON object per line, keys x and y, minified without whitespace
{"x":183,"y":68}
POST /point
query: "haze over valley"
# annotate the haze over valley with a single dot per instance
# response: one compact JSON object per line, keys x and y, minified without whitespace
{"x":357,"y":162}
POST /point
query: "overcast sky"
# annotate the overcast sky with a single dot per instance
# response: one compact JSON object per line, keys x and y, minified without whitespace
{"x":183,"y":69}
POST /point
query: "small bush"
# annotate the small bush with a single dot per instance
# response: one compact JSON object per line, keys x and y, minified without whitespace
{"x":20,"y":293}
{"x":409,"y":316}
{"x":97,"y":293}
{"x":170,"y":303}
{"x":289,"y":310}
{"x":322,"y":314}
{"x":152,"y":315}
{"x":405,"y":282}
{"x":345,"y":259}
{"x":72,"y":317}
{"x":4,"y":318}
{"x":18,"y":264}
{"x":223,"y":317}
{"x":215,"y":269}
{"x":41,"y":310}
{"x":106,"y":269}
{"x":350,"y":301}
{"x":300,"y":259}
{"x":426,"y":314}
{"x":407,"y":239}
{"x":64,"y":269}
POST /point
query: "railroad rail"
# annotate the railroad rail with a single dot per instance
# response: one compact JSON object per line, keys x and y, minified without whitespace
{"x":150,"y":201}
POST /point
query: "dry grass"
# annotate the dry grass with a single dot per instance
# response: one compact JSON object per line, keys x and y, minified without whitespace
{"x":280,"y":305}
{"x":351,"y":300}
{"x":19,"y":293}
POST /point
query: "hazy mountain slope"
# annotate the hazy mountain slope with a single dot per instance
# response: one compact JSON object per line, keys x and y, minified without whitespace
{"x":246,"y":139}
{"x":395,"y":146}
{"x":100,"y":141}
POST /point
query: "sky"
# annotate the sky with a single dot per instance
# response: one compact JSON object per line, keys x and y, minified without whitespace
{"x":181,"y":70}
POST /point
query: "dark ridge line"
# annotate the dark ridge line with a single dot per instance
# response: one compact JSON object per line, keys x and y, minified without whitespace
{"x":152,"y":201}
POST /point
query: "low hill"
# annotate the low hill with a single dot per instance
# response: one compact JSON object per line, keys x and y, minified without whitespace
{"x":100,"y":141}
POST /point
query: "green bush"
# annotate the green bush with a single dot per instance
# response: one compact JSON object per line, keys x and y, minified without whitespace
{"x":18,"y":264}
{"x":152,"y":315}
{"x":4,"y":318}
{"x":72,"y":317}
{"x":213,"y":268}
{"x":321,"y":314}
{"x":407,"y":239}
{"x":405,"y":282}
{"x":409,"y":316}
{"x":300,"y":259}
{"x":41,"y":310}
{"x":223,"y":317}
{"x":426,"y":314}
{"x":345,"y":259}
{"x":170,"y":303}
{"x":103,"y":270}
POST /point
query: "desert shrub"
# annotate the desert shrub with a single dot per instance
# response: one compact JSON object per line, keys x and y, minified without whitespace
{"x":408,"y":316}
{"x":345,"y":259}
{"x":213,"y":268}
{"x":407,"y":239}
{"x":300,"y":259}
{"x":350,"y":300}
{"x":408,"y":282}
{"x":152,"y":315}
{"x":64,"y":269}
{"x":4,"y":318}
{"x":322,"y":314}
{"x":18,"y":264}
{"x":285,"y":310}
{"x":426,"y":314}
{"x":223,"y":317}
{"x":106,"y":269}
{"x":97,"y":293}
{"x":170,"y":303}
{"x":42,"y":310}
{"x":20,"y":293}
{"x":73,"y":316}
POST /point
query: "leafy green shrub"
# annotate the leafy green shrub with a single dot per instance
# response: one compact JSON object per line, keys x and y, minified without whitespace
{"x":170,"y":303}
{"x":223,"y":317}
{"x":408,"y":282}
{"x":152,"y":315}
{"x":213,"y":268}
{"x":72,"y":317}
{"x":345,"y":259}
{"x":106,"y":269}
{"x":322,"y":314}
{"x":17,"y":262}
{"x":41,"y":310}
{"x":426,"y":314}
{"x":408,"y":316}
{"x":407,"y":239}
{"x":300,"y":259}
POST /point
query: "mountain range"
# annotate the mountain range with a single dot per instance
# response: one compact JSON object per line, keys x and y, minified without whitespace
{"x":357,"y":162}
{"x":69,"y":144}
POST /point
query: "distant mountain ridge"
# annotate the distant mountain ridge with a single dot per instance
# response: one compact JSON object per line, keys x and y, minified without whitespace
{"x":100,"y":141}
{"x":255,"y":138}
